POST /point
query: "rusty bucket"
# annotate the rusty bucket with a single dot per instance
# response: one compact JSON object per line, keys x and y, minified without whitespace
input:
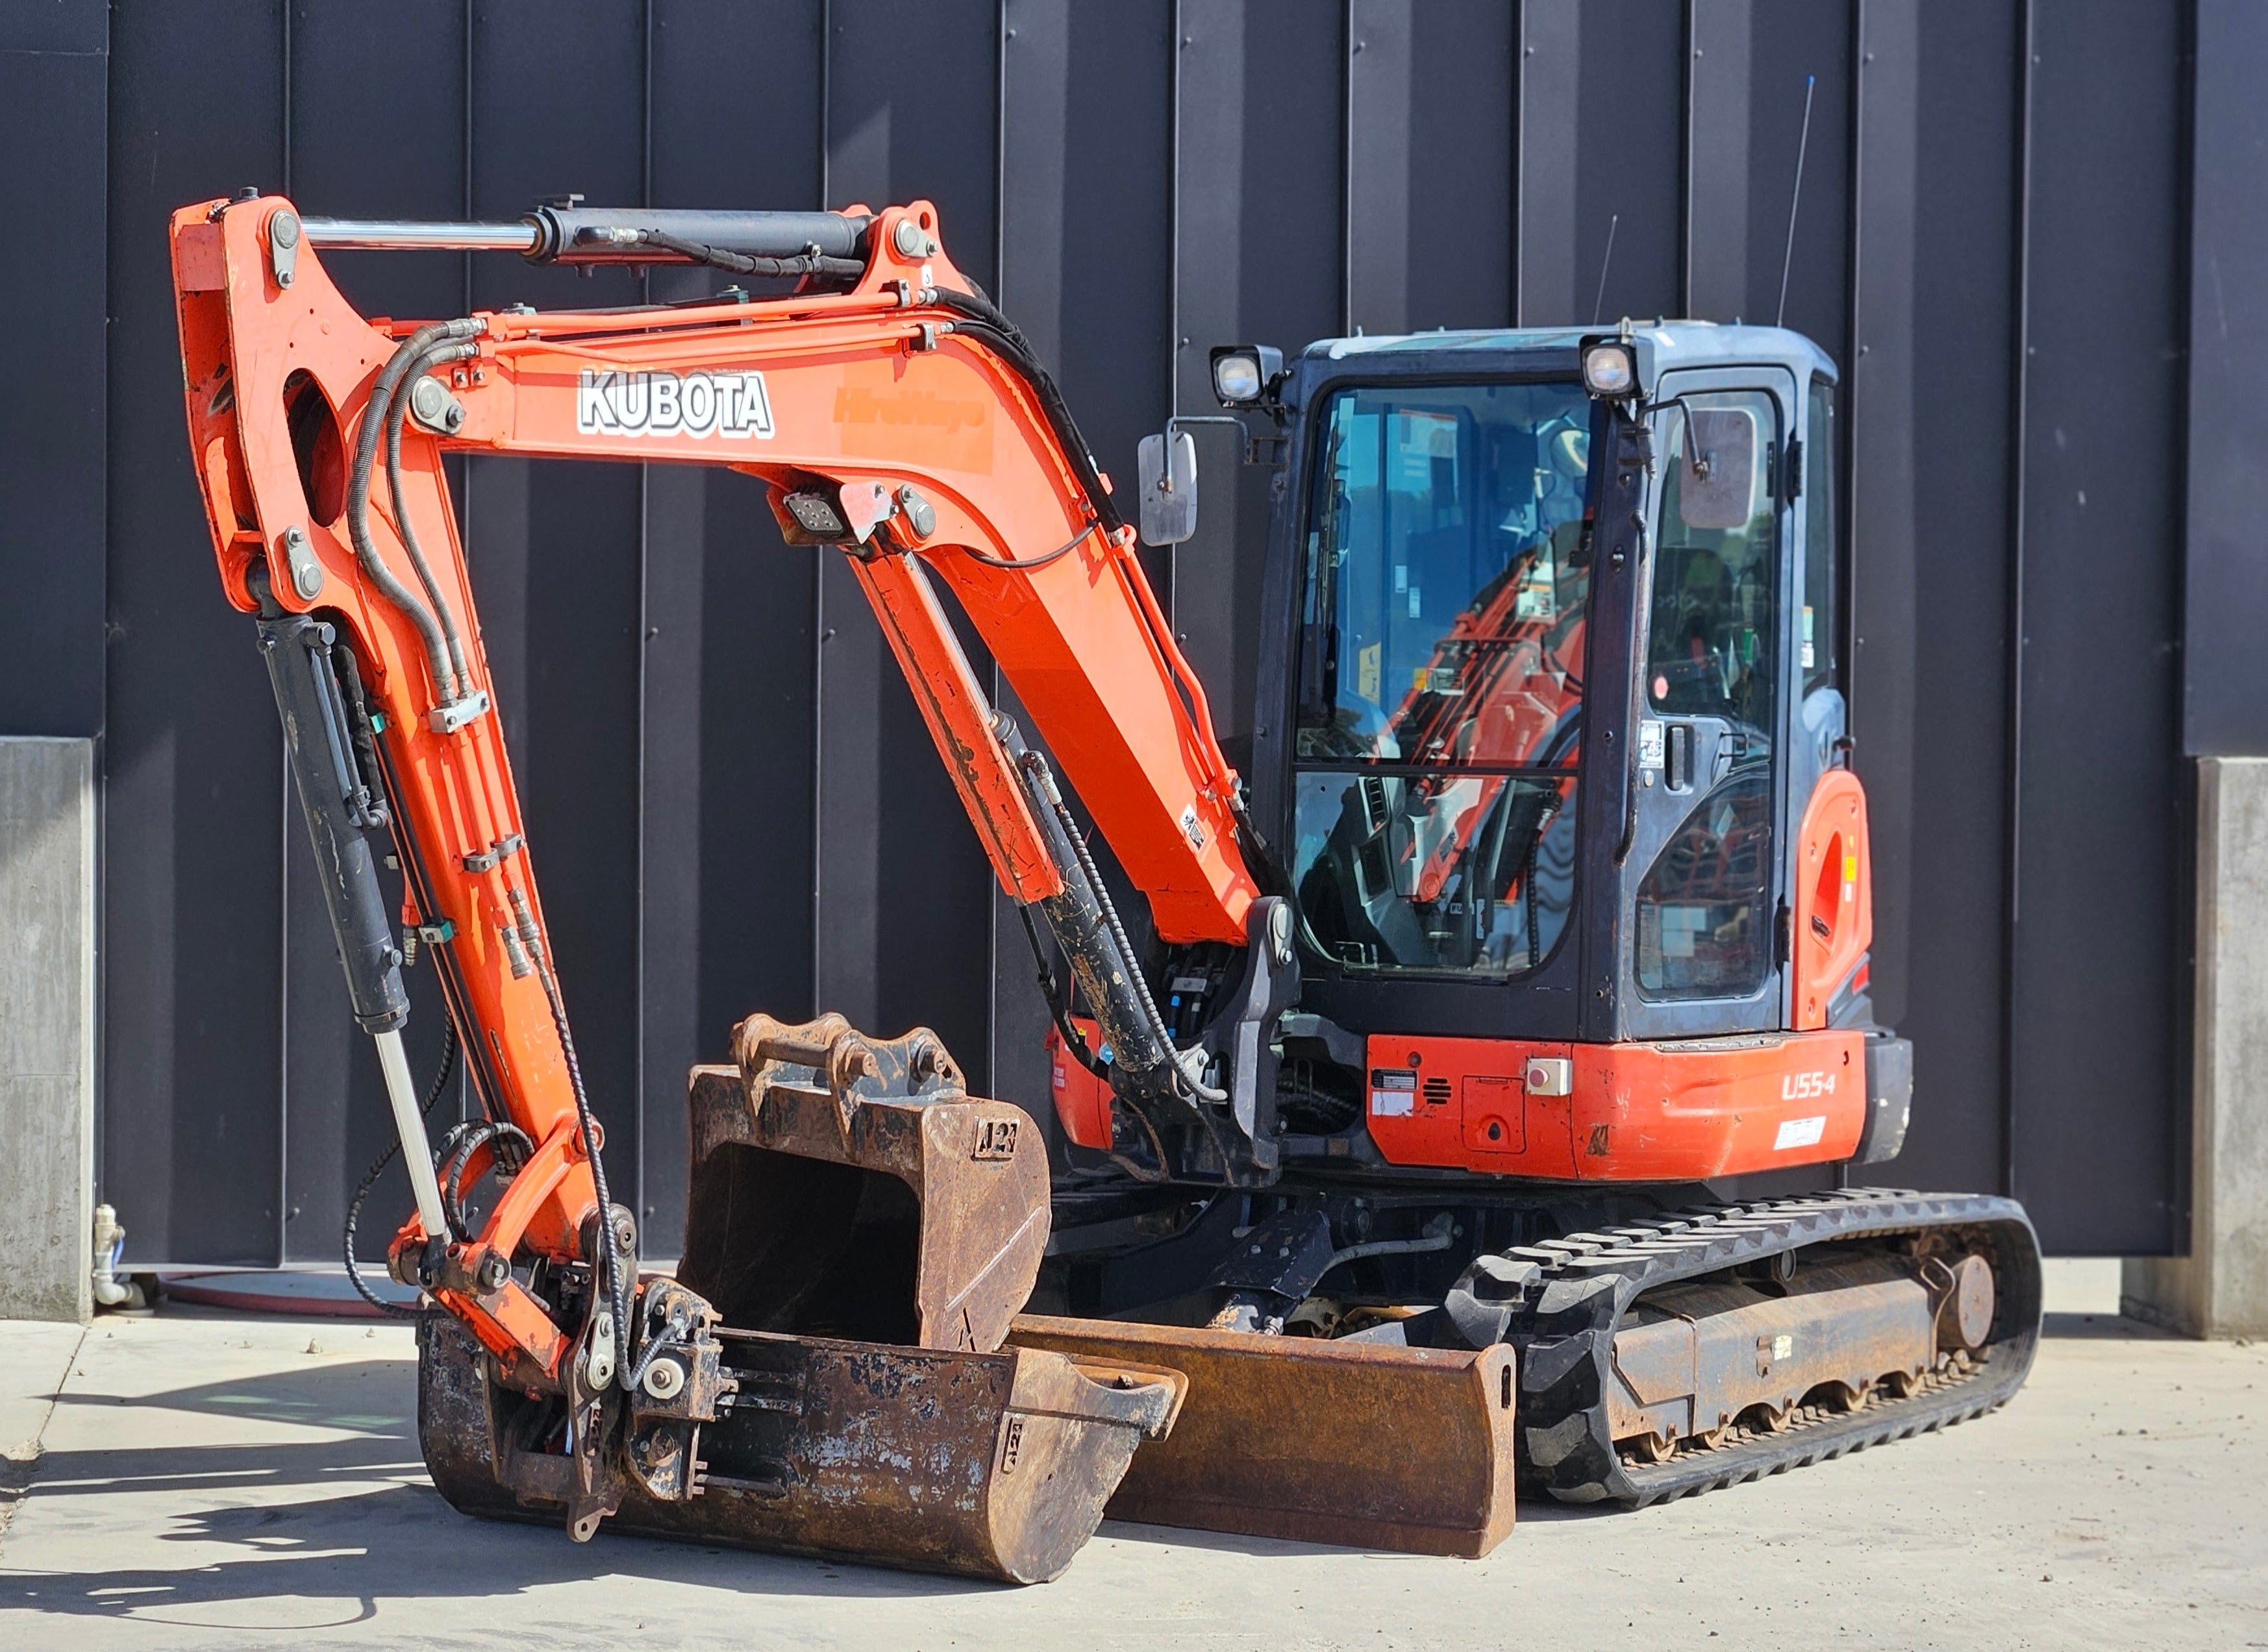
{"x":852,"y":1187}
{"x":991,"y":1466}
{"x":865,"y":1229}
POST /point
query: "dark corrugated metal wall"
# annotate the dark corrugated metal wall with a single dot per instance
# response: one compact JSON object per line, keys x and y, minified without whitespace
{"x":731,"y":801}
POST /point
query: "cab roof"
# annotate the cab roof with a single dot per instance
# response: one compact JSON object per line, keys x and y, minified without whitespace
{"x":1674,"y":344}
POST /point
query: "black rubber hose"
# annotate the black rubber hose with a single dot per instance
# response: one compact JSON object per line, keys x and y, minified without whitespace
{"x":370,"y":1179}
{"x":607,"y":1262}
{"x":457,"y":1152}
{"x":397,"y":410}
{"x":982,"y":321}
{"x":1027,"y":564}
{"x":365,"y":457}
{"x":378,"y":810}
{"x":1058,"y":1001}
{"x":834,"y":269}
{"x":1158,"y":1028}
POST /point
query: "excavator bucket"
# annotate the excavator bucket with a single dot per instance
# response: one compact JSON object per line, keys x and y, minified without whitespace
{"x":865,"y":1231}
{"x":843,"y":1187}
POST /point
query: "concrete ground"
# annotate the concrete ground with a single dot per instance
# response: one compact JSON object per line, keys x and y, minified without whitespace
{"x":200,"y":1480}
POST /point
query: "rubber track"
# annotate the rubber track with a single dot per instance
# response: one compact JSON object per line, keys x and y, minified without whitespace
{"x":1568,"y":1296}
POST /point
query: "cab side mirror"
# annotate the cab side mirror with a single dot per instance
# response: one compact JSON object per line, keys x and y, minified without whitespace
{"x":1168,"y":469}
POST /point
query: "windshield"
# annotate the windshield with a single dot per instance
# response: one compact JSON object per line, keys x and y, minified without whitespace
{"x":1447,"y":568}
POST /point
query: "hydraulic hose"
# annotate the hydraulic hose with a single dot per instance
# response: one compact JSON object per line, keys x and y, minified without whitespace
{"x":981,"y":320}
{"x":845,"y":270}
{"x":1024,"y":565}
{"x":606,"y":1262}
{"x":510,"y":1148}
{"x":1044,"y":783}
{"x":382,"y":396}
{"x":397,"y":409}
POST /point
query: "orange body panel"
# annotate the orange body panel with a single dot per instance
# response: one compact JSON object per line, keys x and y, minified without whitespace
{"x":1833,"y":895}
{"x":1633,"y":1112}
{"x":1082,"y":1100}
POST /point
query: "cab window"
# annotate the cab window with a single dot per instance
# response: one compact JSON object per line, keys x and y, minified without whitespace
{"x":1821,"y":617}
{"x":1704,"y":908}
{"x":1713,"y":632}
{"x":1440,"y":676}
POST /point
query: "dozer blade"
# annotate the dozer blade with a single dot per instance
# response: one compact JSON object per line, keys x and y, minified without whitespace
{"x":1364,"y":1444}
{"x":865,"y":1230}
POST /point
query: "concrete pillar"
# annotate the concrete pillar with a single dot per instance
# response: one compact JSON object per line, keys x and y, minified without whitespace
{"x":47,"y":1028}
{"x":2221,"y":1287}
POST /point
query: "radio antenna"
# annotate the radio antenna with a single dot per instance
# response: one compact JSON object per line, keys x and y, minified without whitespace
{"x":1599,"y":304}
{"x":1794,"y":200}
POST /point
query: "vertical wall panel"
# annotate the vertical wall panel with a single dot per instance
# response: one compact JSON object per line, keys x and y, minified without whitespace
{"x":192,"y":1120}
{"x":1260,"y":185}
{"x":2099,"y":827}
{"x":1086,"y":209}
{"x":1431,"y":243}
{"x":1791,"y":40}
{"x":727,"y":760}
{"x":54,"y":94}
{"x":2225,"y":669}
{"x":1931,"y":400}
{"x":905,"y":891}
{"x":1719,"y":178}
{"x":1749,"y":61}
{"x":1601,"y":160}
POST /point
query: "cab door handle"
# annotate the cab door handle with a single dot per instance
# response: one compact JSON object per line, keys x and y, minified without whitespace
{"x":1678,"y":758}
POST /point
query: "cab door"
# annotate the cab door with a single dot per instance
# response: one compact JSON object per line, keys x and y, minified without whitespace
{"x":1702,"y":886}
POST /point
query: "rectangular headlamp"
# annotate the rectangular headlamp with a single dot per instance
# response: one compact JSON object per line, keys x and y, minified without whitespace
{"x":1242,"y":374}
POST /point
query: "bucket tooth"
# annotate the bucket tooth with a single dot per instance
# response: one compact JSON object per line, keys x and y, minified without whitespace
{"x":1364,"y":1445}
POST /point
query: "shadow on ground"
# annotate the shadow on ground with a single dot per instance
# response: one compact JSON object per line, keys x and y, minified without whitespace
{"x":2106,"y":1328}
{"x":304,"y":1520}
{"x":350,"y":1519}
{"x":365,"y":1396}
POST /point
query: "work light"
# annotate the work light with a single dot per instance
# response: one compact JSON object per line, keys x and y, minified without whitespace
{"x":1241,"y":373}
{"x":1610,"y":370}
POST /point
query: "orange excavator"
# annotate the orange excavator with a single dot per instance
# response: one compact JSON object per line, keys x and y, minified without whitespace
{"x":1399,"y":1117}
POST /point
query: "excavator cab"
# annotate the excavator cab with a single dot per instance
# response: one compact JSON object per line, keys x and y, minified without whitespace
{"x":1553,"y":748}
{"x":1553,"y":752}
